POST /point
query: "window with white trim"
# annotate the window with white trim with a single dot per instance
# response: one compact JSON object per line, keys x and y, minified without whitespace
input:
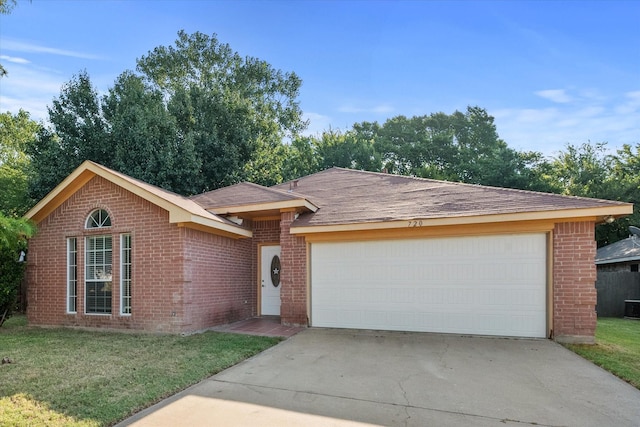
{"x":98,"y":265}
{"x":125,"y":274}
{"x":98,"y":274}
{"x":72,"y":275}
{"x":98,"y":219}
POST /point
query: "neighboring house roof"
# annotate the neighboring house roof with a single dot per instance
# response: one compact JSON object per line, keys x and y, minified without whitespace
{"x":350,"y":200}
{"x":622,"y":251}
{"x":182,"y":211}
{"x":246,"y":198}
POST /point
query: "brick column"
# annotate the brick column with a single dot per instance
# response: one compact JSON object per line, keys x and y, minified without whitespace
{"x":293,"y":278}
{"x":574,"y":277}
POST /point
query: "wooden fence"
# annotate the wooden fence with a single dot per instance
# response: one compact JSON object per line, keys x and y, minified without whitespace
{"x":613,"y":288}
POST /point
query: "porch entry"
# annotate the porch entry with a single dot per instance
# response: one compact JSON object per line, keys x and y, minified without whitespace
{"x":270,"y":280}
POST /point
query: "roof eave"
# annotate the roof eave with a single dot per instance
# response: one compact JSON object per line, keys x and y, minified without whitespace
{"x":79,"y":177}
{"x":301,"y":204}
{"x":597,"y":214}
{"x":209,"y":226}
{"x":617,"y":260}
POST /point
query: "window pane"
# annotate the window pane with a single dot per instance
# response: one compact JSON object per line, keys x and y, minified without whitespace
{"x":98,"y":219}
{"x":125,"y":274}
{"x":98,"y":274}
{"x":72,"y":274}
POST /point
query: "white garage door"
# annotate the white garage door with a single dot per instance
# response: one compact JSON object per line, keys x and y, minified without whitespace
{"x":484,"y":285}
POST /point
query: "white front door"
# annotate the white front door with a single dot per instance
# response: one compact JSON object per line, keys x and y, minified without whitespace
{"x":270,"y":280}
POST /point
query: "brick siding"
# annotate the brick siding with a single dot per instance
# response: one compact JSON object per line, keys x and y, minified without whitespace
{"x":293,"y":294}
{"x":218,"y":282}
{"x":574,"y":277}
{"x":182,"y":280}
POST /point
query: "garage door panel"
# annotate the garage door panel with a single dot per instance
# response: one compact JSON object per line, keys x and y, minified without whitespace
{"x":489,"y":285}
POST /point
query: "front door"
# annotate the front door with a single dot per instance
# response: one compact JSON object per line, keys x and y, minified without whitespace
{"x":270,"y":280}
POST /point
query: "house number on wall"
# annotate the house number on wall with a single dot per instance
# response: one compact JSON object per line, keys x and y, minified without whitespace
{"x":275,"y":270}
{"x":415,"y":223}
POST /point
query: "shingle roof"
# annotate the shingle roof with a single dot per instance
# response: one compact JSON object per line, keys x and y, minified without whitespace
{"x":247,"y":199}
{"x":621,"y":251}
{"x":243,"y":193}
{"x":347,"y":196}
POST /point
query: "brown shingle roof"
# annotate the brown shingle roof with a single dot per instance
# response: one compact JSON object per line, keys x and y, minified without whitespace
{"x":347,"y":196}
{"x":244,"y":193}
{"x":250,"y":200}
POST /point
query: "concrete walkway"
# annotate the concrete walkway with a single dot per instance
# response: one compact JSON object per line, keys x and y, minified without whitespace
{"x":324,"y":377}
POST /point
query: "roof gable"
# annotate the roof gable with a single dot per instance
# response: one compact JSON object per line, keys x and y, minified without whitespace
{"x":182,"y":211}
{"x":249,"y":198}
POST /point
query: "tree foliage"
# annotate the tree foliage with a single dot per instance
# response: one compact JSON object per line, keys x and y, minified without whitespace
{"x":589,"y":170}
{"x":462,"y":147}
{"x":196,"y":116}
{"x":78,"y":133}
{"x":16,"y":132}
{"x":14,"y":233}
{"x":235,"y":109}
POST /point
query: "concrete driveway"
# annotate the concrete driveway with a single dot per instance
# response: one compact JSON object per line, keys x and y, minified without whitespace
{"x":325,"y":377}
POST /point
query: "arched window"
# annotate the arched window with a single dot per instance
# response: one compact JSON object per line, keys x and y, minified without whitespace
{"x":98,"y":219}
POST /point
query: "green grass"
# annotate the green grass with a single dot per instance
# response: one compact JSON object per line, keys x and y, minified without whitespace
{"x":64,"y":377}
{"x":617,"y":348}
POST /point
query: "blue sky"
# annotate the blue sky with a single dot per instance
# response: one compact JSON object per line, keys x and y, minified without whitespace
{"x":550,"y":72}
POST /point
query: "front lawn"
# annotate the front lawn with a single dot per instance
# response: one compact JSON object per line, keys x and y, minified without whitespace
{"x":63,"y":377}
{"x":617,"y":348}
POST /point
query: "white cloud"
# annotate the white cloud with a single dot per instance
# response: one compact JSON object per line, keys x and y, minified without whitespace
{"x":317,"y":123}
{"x":16,"y":46}
{"x":29,"y":89}
{"x":548,"y":130}
{"x":378,"y":109}
{"x":36,"y":107}
{"x":559,"y":96}
{"x":14,"y":59}
{"x":631,"y":104}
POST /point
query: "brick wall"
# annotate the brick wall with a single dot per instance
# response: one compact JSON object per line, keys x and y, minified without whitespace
{"x":171,"y":273}
{"x":574,"y":277}
{"x":218,"y":283}
{"x":294,"y":274}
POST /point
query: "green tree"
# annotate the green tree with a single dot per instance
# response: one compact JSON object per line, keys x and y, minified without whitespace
{"x":624,"y":185}
{"x":266,"y":166}
{"x":196,"y":117}
{"x":14,"y":233}
{"x":588,"y":170}
{"x":230,"y":107}
{"x":352,"y":149}
{"x":16,"y":132}
{"x":144,"y":139}
{"x":78,"y":132}
{"x":300,"y":159}
{"x":581,"y":170}
{"x":345,"y":149}
{"x":462,"y":147}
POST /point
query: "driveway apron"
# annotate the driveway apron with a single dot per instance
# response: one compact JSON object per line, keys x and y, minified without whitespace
{"x":335,"y":377}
